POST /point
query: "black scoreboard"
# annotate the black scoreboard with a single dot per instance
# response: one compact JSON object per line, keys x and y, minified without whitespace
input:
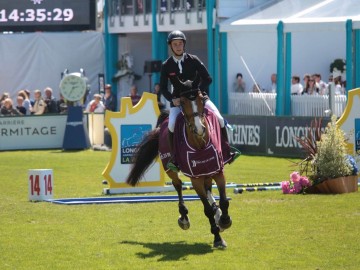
{"x":47,"y":15}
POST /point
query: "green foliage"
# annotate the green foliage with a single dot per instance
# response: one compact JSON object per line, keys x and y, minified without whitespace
{"x":270,"y":230}
{"x":338,"y":64}
{"x":330,"y":161}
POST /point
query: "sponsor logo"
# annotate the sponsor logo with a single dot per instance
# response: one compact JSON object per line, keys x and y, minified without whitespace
{"x":357,"y":136}
{"x":245,"y":135}
{"x":131,"y":137}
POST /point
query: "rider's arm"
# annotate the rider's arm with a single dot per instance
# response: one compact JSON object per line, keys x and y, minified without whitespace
{"x":164,"y":89}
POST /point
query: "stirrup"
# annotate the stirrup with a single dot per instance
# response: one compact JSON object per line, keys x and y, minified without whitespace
{"x":171,"y":166}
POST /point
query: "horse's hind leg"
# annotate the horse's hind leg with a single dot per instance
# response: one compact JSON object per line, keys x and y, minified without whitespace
{"x":225,"y":220}
{"x":183,"y":220}
{"x":199,"y":186}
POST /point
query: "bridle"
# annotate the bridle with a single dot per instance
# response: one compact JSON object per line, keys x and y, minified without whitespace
{"x":198,"y":128}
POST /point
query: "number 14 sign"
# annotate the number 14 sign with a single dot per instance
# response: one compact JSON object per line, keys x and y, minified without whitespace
{"x":40,"y":183}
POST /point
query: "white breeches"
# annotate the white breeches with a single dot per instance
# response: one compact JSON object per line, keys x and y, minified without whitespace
{"x":174,"y":112}
{"x":211,"y":106}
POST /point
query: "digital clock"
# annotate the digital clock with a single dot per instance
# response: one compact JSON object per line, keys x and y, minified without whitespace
{"x":47,"y":15}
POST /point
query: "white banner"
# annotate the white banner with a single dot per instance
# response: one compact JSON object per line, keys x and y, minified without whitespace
{"x":32,"y":132}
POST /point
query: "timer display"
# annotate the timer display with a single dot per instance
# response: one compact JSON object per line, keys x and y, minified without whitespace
{"x":47,"y":15}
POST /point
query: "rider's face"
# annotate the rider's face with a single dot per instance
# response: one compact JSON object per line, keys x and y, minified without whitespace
{"x":177,"y":47}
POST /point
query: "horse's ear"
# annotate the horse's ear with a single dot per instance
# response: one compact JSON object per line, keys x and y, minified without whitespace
{"x":196,"y":81}
{"x":175,"y":81}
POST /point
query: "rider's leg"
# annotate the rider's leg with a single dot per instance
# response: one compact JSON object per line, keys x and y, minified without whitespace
{"x":211,"y":106}
{"x":174,"y":112}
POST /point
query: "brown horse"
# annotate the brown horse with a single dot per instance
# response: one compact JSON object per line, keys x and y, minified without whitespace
{"x":197,"y":150}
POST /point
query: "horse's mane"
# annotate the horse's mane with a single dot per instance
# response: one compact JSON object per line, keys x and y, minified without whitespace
{"x":163,"y":115}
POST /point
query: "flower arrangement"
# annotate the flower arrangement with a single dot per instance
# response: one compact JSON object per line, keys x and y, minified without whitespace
{"x":326,"y":158}
{"x":296,"y":185}
{"x":331,"y":160}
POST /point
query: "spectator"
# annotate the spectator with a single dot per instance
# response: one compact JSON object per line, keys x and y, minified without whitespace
{"x":157,"y":92}
{"x":95,"y":105}
{"x":20,"y":105}
{"x":7,"y":108}
{"x":296,"y":87}
{"x":32,"y":102}
{"x":306,"y":79}
{"x":272,"y":87}
{"x":51,"y":103}
{"x":109,"y":99}
{"x":135,"y":98}
{"x":4,"y":96}
{"x":26,"y":102}
{"x":39,"y":105}
{"x":321,"y":85}
{"x":239,"y":84}
{"x":256,"y":88}
{"x":338,"y":86}
{"x":310,"y":88}
{"x":61,"y":105}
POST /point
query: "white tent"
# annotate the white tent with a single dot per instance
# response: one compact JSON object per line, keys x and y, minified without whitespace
{"x":318,"y":34}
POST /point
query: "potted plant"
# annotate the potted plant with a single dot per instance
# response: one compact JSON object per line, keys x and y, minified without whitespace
{"x":328,"y":165}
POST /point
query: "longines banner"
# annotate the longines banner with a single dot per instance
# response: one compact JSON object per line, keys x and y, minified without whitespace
{"x":269,"y":135}
{"x":32,"y":132}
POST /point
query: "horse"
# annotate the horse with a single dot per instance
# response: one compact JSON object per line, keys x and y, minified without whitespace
{"x":198,"y":129}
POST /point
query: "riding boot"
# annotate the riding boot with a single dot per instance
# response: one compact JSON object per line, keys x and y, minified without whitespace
{"x":232,"y":154}
{"x":171,"y":164}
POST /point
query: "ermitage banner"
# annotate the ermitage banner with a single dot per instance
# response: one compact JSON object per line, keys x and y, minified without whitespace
{"x":269,"y":135}
{"x":32,"y":132}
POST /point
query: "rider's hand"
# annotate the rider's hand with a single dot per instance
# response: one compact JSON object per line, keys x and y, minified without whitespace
{"x":176,"y":102}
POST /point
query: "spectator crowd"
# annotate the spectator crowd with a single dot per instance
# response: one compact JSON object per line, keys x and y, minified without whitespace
{"x":44,"y":102}
{"x":312,"y":85}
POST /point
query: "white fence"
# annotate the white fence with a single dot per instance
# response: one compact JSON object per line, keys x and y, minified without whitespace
{"x":265,"y":104}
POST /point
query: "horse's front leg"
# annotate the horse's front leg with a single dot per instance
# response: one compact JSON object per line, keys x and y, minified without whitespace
{"x":211,"y":199}
{"x":199,"y":186}
{"x":225,"y":221}
{"x":183,"y":220}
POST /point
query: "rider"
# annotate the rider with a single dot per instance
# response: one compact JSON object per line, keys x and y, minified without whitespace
{"x":185,"y":66}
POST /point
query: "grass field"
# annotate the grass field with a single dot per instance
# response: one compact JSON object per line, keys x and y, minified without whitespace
{"x":270,"y":230}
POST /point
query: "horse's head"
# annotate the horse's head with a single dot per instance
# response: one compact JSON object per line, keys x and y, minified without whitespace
{"x":192,"y":104}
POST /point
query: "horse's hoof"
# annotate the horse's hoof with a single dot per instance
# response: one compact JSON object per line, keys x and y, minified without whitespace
{"x":220,"y":244}
{"x":184,"y":223}
{"x":225,"y":223}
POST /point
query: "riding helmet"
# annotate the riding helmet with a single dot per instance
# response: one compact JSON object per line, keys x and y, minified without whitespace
{"x":176,"y":34}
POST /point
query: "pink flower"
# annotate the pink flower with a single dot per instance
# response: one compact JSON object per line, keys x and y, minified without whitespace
{"x":304,"y":181}
{"x":296,"y":184}
{"x":285,"y":186}
{"x":295,"y":177}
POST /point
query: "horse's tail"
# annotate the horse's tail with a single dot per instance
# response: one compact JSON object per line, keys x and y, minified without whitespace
{"x":146,"y":153}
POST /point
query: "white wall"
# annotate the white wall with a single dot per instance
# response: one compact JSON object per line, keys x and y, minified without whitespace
{"x":36,"y":60}
{"x":259,"y":53}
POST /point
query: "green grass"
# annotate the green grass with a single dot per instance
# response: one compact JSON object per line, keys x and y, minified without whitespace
{"x":270,"y":230}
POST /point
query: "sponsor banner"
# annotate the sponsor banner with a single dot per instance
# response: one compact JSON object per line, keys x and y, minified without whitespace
{"x":32,"y":132}
{"x":269,"y":135}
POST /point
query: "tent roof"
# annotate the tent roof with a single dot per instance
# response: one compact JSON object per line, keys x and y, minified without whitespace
{"x":297,"y":15}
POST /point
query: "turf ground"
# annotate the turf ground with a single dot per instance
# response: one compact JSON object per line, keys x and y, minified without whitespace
{"x":270,"y":230}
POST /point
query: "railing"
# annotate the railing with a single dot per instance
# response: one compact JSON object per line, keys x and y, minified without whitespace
{"x":167,"y":10}
{"x":252,"y":103}
{"x":265,"y":104}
